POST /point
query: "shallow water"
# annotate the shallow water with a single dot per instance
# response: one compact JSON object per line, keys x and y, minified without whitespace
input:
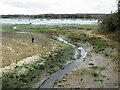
{"x":50,"y":22}
{"x":57,"y":75}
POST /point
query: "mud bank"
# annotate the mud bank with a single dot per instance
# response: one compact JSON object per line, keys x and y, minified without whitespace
{"x":97,"y":70}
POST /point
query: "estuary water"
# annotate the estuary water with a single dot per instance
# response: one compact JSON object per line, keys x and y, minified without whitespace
{"x":50,"y":21}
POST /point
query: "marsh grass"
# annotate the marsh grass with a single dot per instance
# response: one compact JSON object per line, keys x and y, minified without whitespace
{"x":31,"y":27}
{"x":27,"y":75}
{"x":98,"y":43}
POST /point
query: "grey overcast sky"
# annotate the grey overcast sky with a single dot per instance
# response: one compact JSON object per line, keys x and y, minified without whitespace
{"x":56,"y":6}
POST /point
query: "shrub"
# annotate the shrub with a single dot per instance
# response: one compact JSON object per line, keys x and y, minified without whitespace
{"x":111,"y":22}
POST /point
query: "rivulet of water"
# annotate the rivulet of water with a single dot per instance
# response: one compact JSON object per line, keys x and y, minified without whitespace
{"x":48,"y":83}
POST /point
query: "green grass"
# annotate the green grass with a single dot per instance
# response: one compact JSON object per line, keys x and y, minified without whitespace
{"x":7,"y":27}
{"x":99,"y":80}
{"x":98,"y":68}
{"x":98,"y":43}
{"x":93,"y":27}
{"x":78,"y":36}
{"x":27,"y":75}
{"x":31,"y":27}
{"x":15,"y":79}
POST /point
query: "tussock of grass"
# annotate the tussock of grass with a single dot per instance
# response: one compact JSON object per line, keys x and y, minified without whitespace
{"x":78,"y":36}
{"x":98,"y":68}
{"x":99,"y":44}
{"x":98,"y":80}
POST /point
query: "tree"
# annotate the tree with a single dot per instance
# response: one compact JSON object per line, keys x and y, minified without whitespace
{"x":111,"y":22}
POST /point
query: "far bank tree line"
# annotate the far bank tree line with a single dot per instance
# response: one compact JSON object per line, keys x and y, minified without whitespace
{"x":58,"y":16}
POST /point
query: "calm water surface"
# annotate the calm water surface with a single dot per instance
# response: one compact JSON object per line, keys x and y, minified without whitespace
{"x":49,"y":22}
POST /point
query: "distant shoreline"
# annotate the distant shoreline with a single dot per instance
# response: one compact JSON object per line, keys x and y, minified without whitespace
{"x":58,"y":16}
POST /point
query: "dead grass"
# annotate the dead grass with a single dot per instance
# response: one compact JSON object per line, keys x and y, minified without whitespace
{"x":16,"y":47}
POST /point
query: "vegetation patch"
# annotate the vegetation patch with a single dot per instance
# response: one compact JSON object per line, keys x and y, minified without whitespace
{"x":78,"y":36}
{"x":45,"y":28}
{"x":34,"y":28}
{"x":27,"y":75}
{"x":98,"y":80}
{"x":97,"y":68}
{"x":98,"y":43}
